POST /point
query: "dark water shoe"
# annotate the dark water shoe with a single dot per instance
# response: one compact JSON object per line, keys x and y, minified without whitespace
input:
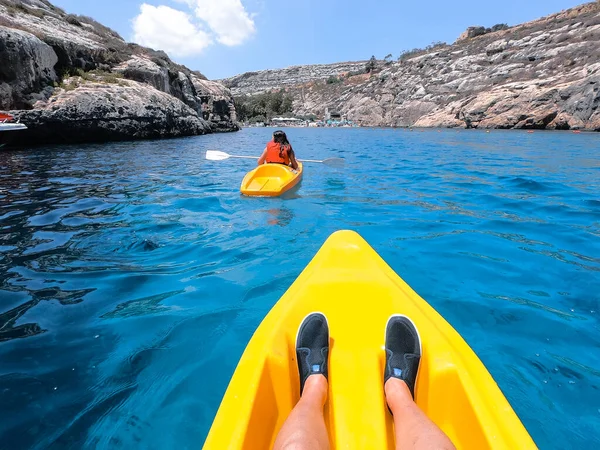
{"x":402,"y":351}
{"x":312,"y":347}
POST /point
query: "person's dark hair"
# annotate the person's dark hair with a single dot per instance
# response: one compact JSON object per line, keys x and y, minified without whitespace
{"x":280,"y":138}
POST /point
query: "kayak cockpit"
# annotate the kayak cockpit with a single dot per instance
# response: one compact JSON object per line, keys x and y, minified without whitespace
{"x":270,"y":180}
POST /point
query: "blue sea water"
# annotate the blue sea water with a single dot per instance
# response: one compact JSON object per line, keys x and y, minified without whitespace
{"x":132,"y":275}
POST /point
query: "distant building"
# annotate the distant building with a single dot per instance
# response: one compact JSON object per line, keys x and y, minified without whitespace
{"x":287,"y":121}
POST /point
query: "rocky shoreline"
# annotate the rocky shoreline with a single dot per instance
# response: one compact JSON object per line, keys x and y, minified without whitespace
{"x":543,"y":74}
{"x":72,"y":80}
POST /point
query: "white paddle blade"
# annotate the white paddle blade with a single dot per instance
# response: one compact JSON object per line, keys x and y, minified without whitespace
{"x":215,"y":155}
{"x":334,"y":162}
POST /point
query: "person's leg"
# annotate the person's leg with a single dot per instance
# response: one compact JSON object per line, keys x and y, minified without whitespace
{"x":414,"y":430}
{"x":305,"y":426}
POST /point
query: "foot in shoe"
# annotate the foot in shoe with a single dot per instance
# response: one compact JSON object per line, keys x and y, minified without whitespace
{"x":403,"y":351}
{"x":312,"y":347}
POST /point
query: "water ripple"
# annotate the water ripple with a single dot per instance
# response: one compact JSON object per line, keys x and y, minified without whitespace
{"x":133,"y":274}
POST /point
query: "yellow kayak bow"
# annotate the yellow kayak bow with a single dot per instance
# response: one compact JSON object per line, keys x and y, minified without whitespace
{"x":357,"y":291}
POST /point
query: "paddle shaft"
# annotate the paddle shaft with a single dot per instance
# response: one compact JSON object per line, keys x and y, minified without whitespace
{"x":256,"y":157}
{"x":243,"y":157}
{"x":310,"y":160}
{"x":216,"y":155}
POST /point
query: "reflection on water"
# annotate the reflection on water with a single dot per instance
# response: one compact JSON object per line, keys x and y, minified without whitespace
{"x":132,"y":275}
{"x":280,"y":216}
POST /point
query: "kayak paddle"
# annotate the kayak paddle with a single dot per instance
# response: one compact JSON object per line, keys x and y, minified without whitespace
{"x":215,"y":155}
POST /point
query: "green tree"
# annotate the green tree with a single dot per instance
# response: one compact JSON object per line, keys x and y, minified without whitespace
{"x":371,"y":64}
{"x":274,"y":102}
{"x":241,"y":107}
{"x":264,"y":106}
{"x":288,"y":104}
{"x":258,"y":118}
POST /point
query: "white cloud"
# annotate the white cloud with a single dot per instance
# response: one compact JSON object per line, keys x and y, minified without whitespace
{"x":228,"y":19}
{"x":165,"y":28}
{"x":180,"y":34}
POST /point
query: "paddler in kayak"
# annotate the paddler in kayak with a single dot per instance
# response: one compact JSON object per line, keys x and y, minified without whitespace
{"x":279,"y":151}
{"x":305,"y":426}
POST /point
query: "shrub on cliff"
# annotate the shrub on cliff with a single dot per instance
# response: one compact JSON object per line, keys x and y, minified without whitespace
{"x":499,"y":27}
{"x":19,"y":7}
{"x":72,"y":19}
{"x":371,"y":64}
{"x":100,"y":29}
{"x":407,"y":54}
{"x":354,"y":73}
{"x":77,"y":77}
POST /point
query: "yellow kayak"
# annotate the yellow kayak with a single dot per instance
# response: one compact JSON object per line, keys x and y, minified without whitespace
{"x":357,"y":291}
{"x":270,"y":180}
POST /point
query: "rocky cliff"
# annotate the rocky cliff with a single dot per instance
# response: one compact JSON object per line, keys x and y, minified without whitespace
{"x":544,"y":74}
{"x":70,"y":79}
{"x":266,"y":80}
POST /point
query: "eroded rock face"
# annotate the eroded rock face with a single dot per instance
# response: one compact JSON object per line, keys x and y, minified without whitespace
{"x":26,"y":68}
{"x":217,"y":106}
{"x":40,"y":45}
{"x":542,"y":74}
{"x":472,"y":32}
{"x":212,"y":101}
{"x":144,"y":70}
{"x":98,"y":111}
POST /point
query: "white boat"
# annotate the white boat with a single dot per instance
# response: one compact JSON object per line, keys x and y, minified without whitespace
{"x":12,"y":126}
{"x":5,"y":126}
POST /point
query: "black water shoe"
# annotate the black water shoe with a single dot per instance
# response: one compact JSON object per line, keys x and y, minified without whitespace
{"x":402,"y":351}
{"x":312,"y":347}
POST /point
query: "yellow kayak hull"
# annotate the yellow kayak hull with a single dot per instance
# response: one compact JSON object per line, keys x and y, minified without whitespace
{"x":270,"y":180}
{"x":357,"y":291}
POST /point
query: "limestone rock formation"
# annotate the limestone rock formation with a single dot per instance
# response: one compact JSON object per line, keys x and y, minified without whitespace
{"x":26,"y":68}
{"x":210,"y":100}
{"x":42,"y":48}
{"x":109,"y":112}
{"x":265,"y":80}
{"x":218,"y":107}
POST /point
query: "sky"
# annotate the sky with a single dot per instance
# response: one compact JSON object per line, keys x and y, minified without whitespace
{"x":222,"y":38}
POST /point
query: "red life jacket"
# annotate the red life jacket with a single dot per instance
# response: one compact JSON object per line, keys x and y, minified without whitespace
{"x":273,"y":150}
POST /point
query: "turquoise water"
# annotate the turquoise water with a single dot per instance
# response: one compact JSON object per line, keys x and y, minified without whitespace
{"x":132,"y":275}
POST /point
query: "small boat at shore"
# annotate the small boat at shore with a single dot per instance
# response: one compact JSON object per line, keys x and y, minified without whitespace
{"x":270,"y":180}
{"x":6,"y":125}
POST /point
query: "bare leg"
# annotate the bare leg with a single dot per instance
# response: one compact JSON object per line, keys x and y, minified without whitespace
{"x":414,"y":430}
{"x":305,"y":426}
